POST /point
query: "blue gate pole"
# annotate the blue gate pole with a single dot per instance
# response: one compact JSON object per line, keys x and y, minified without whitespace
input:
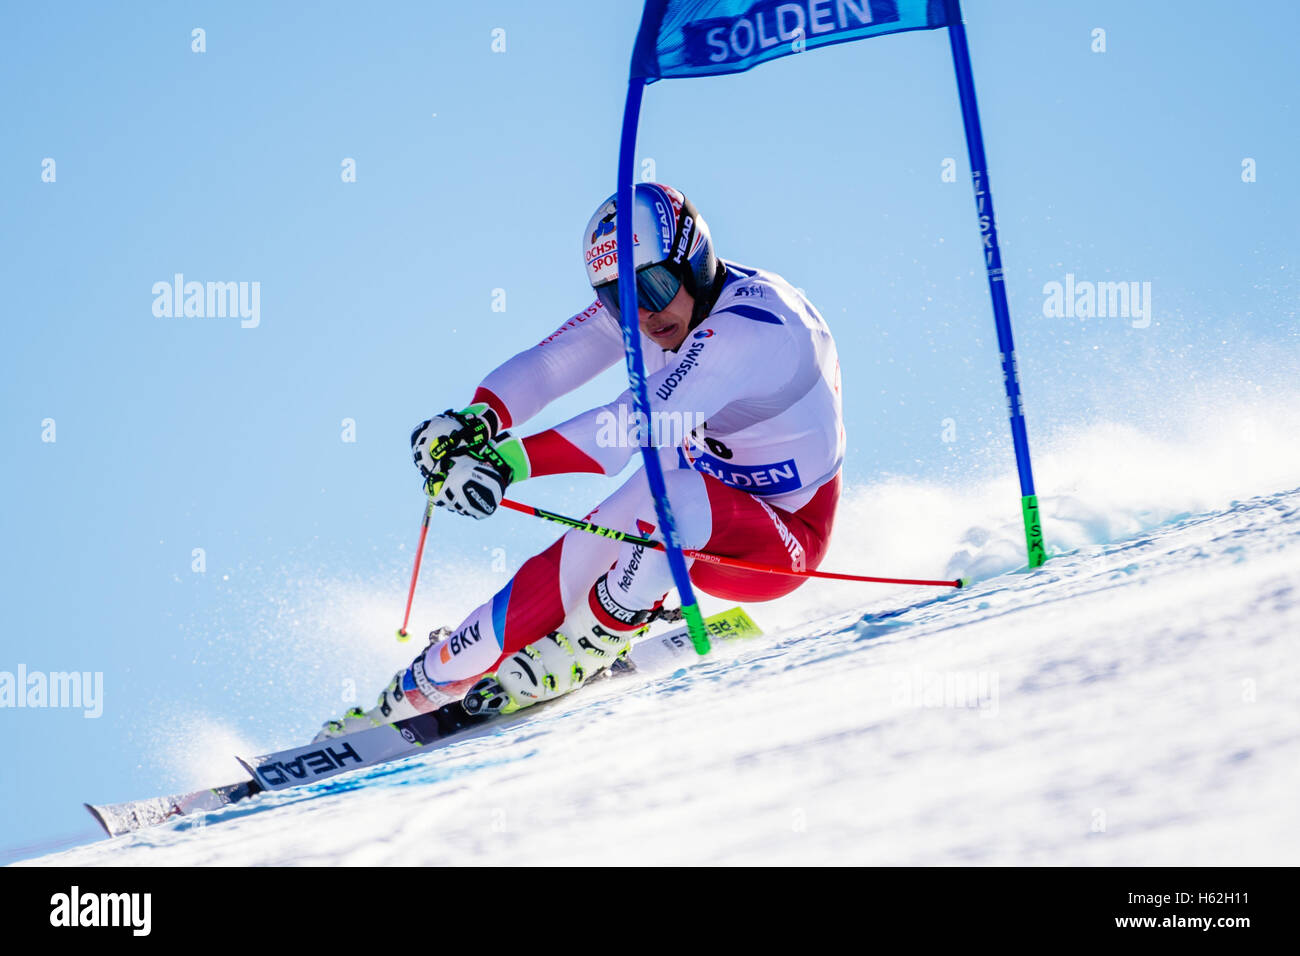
{"x":997,"y":289}
{"x":627,"y":303}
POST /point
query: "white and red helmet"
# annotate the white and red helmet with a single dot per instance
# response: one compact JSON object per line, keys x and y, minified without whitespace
{"x":672,"y":249}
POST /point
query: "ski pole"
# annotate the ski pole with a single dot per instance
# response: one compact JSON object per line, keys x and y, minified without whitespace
{"x":471,"y":436}
{"x":402,"y":635}
{"x":630,"y":538}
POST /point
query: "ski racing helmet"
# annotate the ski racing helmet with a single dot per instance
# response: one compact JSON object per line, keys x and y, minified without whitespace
{"x":672,"y":249}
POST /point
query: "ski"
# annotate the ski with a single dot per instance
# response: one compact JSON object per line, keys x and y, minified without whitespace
{"x":450,"y":724}
{"x":119,"y":818}
{"x":363,"y":748}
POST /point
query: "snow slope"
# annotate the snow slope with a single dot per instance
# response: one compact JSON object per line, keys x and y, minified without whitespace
{"x":1129,"y":703}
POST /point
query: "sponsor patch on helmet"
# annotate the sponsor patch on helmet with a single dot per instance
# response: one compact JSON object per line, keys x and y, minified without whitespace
{"x":604,"y":227}
{"x":665,"y":224}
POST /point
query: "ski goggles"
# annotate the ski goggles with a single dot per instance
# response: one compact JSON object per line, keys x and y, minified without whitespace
{"x":656,"y":286}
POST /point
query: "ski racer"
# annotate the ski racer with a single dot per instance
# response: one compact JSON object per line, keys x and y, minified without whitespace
{"x":741,"y":370}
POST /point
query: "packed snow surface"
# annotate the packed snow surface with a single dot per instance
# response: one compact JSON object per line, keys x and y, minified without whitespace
{"x":1136,"y":702}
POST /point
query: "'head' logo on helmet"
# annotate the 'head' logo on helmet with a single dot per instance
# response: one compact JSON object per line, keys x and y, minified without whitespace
{"x":680,"y":245}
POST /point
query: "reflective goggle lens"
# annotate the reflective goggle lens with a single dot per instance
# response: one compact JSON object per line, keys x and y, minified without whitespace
{"x":656,"y":286}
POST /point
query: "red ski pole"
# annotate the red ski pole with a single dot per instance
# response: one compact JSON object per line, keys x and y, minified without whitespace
{"x":402,"y":635}
{"x":718,"y":558}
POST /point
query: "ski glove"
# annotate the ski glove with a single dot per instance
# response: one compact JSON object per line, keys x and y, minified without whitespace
{"x":434,"y":441}
{"x":473,"y":485}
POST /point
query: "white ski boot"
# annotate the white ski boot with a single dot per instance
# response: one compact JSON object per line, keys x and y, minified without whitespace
{"x":409,"y":693}
{"x":596,"y":633}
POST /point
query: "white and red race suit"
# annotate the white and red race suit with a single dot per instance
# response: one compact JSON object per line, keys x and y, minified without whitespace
{"x":746,"y":416}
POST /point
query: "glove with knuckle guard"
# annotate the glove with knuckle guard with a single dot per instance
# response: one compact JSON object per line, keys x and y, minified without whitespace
{"x":434,"y":441}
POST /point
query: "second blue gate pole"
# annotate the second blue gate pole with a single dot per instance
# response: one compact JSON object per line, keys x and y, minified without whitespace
{"x":997,"y":289}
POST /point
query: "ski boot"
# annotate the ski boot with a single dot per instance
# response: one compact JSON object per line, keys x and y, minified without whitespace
{"x":596,"y":635}
{"x":409,"y":693}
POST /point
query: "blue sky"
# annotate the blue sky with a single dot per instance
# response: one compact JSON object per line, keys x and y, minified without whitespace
{"x":475,"y":171}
